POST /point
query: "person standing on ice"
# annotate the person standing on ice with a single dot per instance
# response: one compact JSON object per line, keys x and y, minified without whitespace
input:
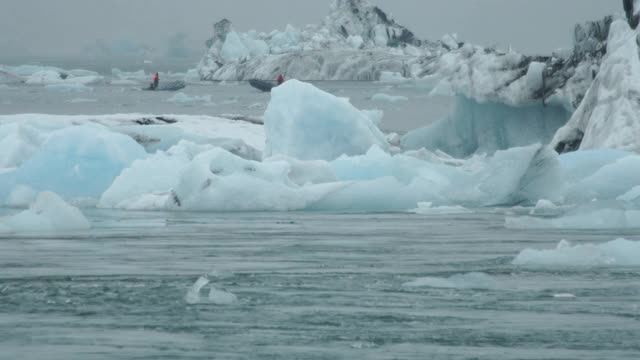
{"x":280,"y":79}
{"x":156,"y":81}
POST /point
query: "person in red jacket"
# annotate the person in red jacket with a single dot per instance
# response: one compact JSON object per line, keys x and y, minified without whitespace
{"x":280,"y":79}
{"x":156,"y":81}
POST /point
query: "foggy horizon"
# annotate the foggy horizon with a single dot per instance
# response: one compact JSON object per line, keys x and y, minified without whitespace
{"x":75,"y":28}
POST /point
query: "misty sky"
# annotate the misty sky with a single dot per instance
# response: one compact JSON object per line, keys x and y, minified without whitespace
{"x":63,"y":27}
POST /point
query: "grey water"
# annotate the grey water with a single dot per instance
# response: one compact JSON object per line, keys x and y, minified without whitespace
{"x":308,"y":286}
{"x":234,"y":98}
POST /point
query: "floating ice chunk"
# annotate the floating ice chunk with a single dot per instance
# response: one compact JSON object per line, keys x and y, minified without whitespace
{"x":306,"y":172}
{"x":48,"y":214}
{"x":427,"y":208}
{"x":545,"y":208}
{"x":193,"y":295}
{"x":304,"y":122}
{"x":18,"y":142}
{"x":593,"y":219}
{"x":609,"y":182}
{"x":45,"y":76}
{"x":78,"y":161}
{"x":472,"y":280}
{"x":217,"y":180}
{"x":475,"y":127}
{"x":146,"y":184}
{"x":619,"y":252}
{"x":582,"y":164}
{"x":21,"y":197}
{"x":389,"y":98}
{"x":182,"y":98}
{"x":216,"y":296}
{"x":82,"y":100}
{"x":564,"y":296}
{"x":66,"y":88}
{"x":221,"y":297}
{"x":85,"y":80}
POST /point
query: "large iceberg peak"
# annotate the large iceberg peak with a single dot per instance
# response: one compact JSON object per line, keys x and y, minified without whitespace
{"x":220,"y":31}
{"x":609,"y":115}
{"x":352,"y":18}
{"x":590,"y":38}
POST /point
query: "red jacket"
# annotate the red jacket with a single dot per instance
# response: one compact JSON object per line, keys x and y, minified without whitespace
{"x":280,"y":79}
{"x":155,"y":77}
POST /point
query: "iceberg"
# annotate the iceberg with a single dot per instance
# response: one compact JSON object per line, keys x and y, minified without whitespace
{"x":331,"y":50}
{"x":78,"y":161}
{"x":217,"y":180}
{"x":609,"y":115}
{"x":47,"y":214}
{"x":306,"y":123}
{"x":476,"y":127}
{"x":359,"y":41}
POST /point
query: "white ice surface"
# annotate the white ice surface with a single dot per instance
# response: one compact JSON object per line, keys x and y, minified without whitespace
{"x":609,"y":115}
{"x":389,"y":98}
{"x":428,"y":209}
{"x":48,"y":214}
{"x":306,"y":123}
{"x":460,"y":281}
{"x":619,"y":252}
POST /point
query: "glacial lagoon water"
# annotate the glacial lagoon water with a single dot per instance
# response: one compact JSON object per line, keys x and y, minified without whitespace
{"x":310,"y":286}
{"x":215,"y":99}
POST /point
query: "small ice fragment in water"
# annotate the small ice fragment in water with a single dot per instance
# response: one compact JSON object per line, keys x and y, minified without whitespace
{"x":474,"y":280}
{"x":216,"y":296}
{"x":221,"y":297}
{"x":564,"y":296}
{"x":193,"y":295}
